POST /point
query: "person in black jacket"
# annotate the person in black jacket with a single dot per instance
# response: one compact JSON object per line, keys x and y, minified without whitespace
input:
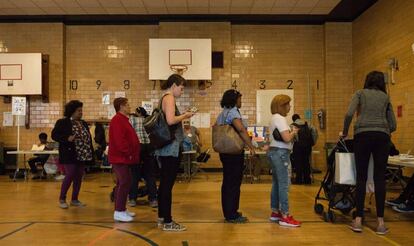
{"x":75,"y":150}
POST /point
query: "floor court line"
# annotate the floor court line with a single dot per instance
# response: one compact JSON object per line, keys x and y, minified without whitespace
{"x":101,"y":237}
{"x":17,"y":230}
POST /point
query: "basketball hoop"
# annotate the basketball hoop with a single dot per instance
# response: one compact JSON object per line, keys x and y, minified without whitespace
{"x":179,"y":69}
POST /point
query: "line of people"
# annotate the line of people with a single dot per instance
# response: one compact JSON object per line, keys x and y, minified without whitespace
{"x":372,"y":130}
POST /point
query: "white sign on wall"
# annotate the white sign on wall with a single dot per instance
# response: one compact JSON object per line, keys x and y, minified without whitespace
{"x":18,"y":105}
{"x":264,"y":99}
{"x":148,"y":106}
{"x":7,"y":119}
{"x":106,"y":98}
{"x":119,"y":94}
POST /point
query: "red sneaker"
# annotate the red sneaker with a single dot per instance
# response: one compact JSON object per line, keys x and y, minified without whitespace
{"x":275,"y":217}
{"x":289,"y":221}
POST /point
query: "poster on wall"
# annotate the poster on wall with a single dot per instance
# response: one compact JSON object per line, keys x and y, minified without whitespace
{"x":120,"y":94}
{"x":205,"y":120}
{"x":148,"y":106}
{"x":201,"y":120}
{"x":111,"y":111}
{"x":19,"y":105}
{"x":7,"y":119}
{"x":106,"y":98}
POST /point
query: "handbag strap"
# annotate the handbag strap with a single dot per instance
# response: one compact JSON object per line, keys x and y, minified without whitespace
{"x":225,"y":118}
{"x":160,"y":103}
{"x":342,"y":142}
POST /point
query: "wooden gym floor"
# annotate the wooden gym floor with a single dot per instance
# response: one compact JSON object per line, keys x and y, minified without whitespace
{"x":31,"y":216}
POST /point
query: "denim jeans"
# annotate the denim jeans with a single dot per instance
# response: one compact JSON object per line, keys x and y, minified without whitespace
{"x":279,"y":161}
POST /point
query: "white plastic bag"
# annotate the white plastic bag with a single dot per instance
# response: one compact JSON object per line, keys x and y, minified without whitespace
{"x":345,"y":171}
{"x":50,"y":168}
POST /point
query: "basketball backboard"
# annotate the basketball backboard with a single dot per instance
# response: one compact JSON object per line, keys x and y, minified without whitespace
{"x":20,"y":73}
{"x":189,"y":57}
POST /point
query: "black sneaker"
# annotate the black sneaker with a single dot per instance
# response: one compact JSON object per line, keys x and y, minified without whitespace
{"x":238,"y":220}
{"x":404,"y":208}
{"x":394,"y":202}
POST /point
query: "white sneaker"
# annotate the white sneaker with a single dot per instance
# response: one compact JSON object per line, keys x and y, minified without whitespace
{"x":122,"y":216}
{"x":60,"y":177}
{"x":132,"y":214}
{"x":160,"y":223}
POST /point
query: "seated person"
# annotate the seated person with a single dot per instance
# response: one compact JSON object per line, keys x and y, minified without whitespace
{"x":39,"y":159}
{"x":191,"y":136}
{"x":404,"y":203}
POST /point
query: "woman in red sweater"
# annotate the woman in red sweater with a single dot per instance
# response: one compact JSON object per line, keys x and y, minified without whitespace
{"x":124,"y":149}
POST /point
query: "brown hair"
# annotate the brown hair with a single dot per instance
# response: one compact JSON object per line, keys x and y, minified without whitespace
{"x":173,"y":79}
{"x":278,"y":105}
{"x":118,"y":102}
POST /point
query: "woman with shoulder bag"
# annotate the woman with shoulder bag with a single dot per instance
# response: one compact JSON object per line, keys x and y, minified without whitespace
{"x":279,"y":157}
{"x":169,"y":155}
{"x":233,"y":163}
{"x":375,"y":122}
{"x":75,"y":150}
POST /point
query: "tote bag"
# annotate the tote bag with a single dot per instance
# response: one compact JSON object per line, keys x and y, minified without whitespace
{"x":226,"y":139}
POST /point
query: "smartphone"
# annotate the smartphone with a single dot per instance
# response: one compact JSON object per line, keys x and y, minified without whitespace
{"x":193,"y":109}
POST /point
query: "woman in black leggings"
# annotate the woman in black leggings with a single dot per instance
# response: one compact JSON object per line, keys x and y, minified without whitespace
{"x":375,"y":122}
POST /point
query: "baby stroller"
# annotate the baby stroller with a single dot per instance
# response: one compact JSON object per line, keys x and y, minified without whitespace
{"x":340,"y":197}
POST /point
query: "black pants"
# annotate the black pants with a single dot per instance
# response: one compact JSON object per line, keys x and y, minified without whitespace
{"x":301,"y":164}
{"x":168,"y":172}
{"x":365,"y":144}
{"x":232,"y":179}
{"x":145,"y":170}
{"x":38,"y":159}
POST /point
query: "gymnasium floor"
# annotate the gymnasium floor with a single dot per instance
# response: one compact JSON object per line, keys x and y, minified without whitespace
{"x":31,"y":216}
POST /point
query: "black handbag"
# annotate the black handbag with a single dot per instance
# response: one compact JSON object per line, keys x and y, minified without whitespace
{"x":157,"y":128}
{"x":276,"y":135}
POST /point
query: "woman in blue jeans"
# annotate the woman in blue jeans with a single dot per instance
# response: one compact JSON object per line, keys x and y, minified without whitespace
{"x":279,"y":156}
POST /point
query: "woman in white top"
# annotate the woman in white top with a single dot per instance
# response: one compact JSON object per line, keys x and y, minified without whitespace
{"x":279,"y":156}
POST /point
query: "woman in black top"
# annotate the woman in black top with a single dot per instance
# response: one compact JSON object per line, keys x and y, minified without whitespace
{"x":75,"y":150}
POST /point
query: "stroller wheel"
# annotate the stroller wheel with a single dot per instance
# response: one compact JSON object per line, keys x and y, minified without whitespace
{"x":325,"y":216}
{"x":318,"y":208}
{"x":331,"y":216}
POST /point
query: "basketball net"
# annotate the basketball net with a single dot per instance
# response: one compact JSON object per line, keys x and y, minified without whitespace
{"x":178,"y":69}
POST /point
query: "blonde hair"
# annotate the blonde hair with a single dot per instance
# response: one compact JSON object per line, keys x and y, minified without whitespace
{"x":278,"y":105}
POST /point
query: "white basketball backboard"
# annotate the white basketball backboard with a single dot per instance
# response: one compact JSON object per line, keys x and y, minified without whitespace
{"x":20,"y":73}
{"x":194,"y":54}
